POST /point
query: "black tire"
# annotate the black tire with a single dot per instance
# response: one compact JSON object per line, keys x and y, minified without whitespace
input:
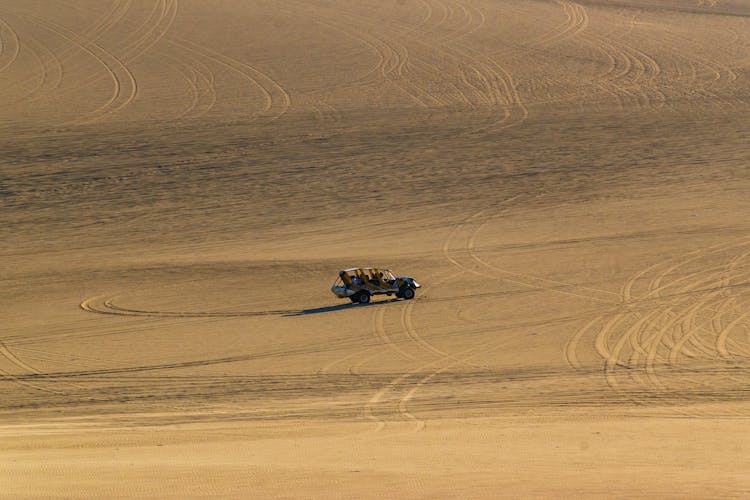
{"x":407,"y":292}
{"x":354,"y":299}
{"x":364,"y":297}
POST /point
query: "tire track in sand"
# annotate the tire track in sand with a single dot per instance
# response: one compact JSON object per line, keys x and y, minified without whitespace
{"x":531,"y":281}
{"x":277,"y":100}
{"x":41,"y":80}
{"x":461,"y":357}
{"x":6,"y":353}
{"x":10,"y":45}
{"x":199,"y":78}
{"x":375,"y":400}
{"x":500,"y":89}
{"x":671,"y":323}
{"x":713,"y":280}
{"x":631,"y":73}
{"x":577,"y":20}
{"x":137,"y":43}
{"x":412,"y":333}
{"x":102,"y":23}
{"x":153,"y":31}
{"x":629,"y":299}
{"x":200,"y":81}
{"x":711,"y":285}
{"x":104,"y":305}
{"x":443,"y":357}
{"x":51,"y":73}
{"x":689,"y":326}
{"x":392,"y":54}
{"x":383,"y":337}
{"x":124,"y":85}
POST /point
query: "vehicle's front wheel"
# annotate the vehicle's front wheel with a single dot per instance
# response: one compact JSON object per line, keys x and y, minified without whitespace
{"x":364,"y":297}
{"x":407,"y":292}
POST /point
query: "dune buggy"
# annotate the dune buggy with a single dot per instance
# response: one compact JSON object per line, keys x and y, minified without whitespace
{"x":359,"y":284}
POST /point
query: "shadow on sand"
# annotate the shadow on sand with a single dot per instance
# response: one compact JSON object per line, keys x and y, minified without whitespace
{"x":338,"y":307}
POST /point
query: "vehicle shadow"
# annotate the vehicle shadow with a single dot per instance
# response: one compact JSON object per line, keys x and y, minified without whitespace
{"x":338,"y":307}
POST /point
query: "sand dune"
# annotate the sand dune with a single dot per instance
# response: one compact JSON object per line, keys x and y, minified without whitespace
{"x":181,"y":181}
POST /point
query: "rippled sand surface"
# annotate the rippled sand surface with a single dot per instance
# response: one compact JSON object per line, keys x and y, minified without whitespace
{"x":181,"y":181}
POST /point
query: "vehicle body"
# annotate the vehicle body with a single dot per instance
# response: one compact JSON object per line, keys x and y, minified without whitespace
{"x":359,"y":284}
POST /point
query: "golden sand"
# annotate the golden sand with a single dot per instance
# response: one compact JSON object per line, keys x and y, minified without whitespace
{"x":180,"y":182}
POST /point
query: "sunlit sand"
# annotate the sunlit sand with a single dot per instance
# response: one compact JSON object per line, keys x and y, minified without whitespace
{"x":181,"y":183}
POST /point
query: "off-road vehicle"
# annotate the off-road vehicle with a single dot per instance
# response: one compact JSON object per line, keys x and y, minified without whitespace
{"x":359,"y":284}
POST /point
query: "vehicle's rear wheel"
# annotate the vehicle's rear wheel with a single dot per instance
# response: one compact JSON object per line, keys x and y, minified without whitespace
{"x":407,"y":292}
{"x":364,"y":297}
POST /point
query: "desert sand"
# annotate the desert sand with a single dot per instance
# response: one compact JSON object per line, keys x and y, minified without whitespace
{"x":181,"y":181}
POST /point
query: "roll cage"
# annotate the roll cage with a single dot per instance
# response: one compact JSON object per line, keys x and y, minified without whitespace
{"x":368,"y":278}
{"x":359,"y":283}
